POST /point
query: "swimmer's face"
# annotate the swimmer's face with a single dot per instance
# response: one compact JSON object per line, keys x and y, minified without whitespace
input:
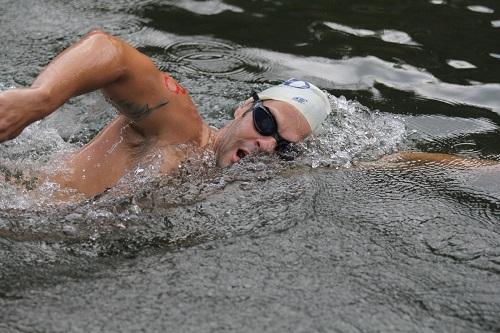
{"x":239,"y":138}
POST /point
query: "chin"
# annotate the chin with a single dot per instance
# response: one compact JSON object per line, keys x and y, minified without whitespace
{"x":223,"y":162}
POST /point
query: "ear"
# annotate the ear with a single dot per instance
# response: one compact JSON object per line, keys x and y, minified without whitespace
{"x":242,"y":109}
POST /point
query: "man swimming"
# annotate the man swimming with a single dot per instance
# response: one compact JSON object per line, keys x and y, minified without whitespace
{"x":156,"y":114}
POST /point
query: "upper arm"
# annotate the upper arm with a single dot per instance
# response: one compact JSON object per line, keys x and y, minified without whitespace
{"x":150,"y":98}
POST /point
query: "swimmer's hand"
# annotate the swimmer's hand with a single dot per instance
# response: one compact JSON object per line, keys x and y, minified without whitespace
{"x":19,"y":108}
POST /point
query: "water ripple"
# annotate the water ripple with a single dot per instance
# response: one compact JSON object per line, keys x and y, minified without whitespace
{"x":438,"y":127}
{"x":200,"y":55}
{"x":480,"y":9}
{"x":438,"y":2}
{"x":387,"y":35}
{"x":363,"y":73}
{"x":214,"y":58}
{"x":210,"y":7}
{"x":460,"y":64}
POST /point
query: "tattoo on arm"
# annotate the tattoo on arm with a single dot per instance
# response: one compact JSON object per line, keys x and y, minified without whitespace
{"x":135,"y":111}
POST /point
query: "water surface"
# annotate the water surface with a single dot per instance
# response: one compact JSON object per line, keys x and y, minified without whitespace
{"x":333,"y":241}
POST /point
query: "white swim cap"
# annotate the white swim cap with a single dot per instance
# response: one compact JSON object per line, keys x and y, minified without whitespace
{"x":306,"y":97}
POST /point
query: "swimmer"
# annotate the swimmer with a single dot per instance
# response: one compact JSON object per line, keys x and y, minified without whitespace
{"x":156,"y":114}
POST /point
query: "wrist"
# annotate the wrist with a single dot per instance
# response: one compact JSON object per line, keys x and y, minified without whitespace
{"x":41,"y":103}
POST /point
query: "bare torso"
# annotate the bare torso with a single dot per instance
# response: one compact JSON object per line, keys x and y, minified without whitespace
{"x":156,"y":113}
{"x":121,"y":146}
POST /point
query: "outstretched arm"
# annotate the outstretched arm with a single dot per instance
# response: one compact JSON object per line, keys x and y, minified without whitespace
{"x":437,"y":158}
{"x":99,"y":61}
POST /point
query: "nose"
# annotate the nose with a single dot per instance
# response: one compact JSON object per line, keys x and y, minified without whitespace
{"x":266,"y":143}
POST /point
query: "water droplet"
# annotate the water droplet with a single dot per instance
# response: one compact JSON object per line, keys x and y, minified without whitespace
{"x":69,"y":230}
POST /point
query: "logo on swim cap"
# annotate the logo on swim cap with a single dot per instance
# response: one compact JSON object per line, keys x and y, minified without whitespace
{"x":294,"y":83}
{"x":301,"y":100}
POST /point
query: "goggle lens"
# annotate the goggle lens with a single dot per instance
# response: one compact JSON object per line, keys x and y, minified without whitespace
{"x":264,"y":121}
{"x":265,"y":124}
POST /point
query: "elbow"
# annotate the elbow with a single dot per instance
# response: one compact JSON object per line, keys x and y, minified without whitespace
{"x":96,"y":32}
{"x":105,"y":49}
{"x":100,"y":40}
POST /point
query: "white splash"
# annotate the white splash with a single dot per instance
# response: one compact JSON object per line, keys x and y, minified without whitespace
{"x":351,"y":133}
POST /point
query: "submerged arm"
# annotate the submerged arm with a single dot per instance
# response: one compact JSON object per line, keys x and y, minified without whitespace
{"x":417,"y":158}
{"x":98,"y":61}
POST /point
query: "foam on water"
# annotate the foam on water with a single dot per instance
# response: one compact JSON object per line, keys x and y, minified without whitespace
{"x":148,"y":209}
{"x":22,"y":159}
{"x":351,"y":133}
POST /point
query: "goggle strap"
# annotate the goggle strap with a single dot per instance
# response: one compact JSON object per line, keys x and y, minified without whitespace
{"x":255,"y":96}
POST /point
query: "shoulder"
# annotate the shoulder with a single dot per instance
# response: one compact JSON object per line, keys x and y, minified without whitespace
{"x":172,"y":117}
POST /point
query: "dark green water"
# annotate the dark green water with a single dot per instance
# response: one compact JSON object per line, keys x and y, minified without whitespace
{"x":328,"y":243}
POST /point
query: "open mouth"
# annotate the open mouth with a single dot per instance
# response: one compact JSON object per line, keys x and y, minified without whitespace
{"x":241,"y":153}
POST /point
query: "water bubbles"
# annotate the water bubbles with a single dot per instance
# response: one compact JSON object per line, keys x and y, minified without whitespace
{"x":22,"y":162}
{"x":36,"y":142}
{"x":69,"y":230}
{"x":138,"y":170}
{"x":351,"y":133}
{"x":5,"y":86}
{"x":144,"y":195}
{"x":134,"y":208}
{"x":73,"y":217}
{"x":94,"y":236}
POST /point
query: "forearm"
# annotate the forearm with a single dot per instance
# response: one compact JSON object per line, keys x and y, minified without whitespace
{"x":92,"y":63}
{"x":127,"y":77}
{"x":96,"y":61}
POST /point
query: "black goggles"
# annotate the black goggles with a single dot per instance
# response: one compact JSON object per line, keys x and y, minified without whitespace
{"x":265,"y":124}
